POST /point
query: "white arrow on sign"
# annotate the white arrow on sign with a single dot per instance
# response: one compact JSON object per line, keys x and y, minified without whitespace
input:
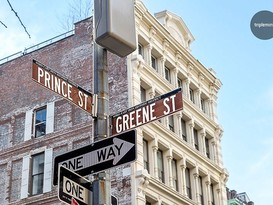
{"x":114,"y":152}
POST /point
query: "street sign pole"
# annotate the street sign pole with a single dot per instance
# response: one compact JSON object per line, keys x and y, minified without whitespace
{"x":101,"y":183}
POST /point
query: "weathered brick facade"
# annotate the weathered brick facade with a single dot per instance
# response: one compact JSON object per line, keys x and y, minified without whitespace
{"x":72,"y":57}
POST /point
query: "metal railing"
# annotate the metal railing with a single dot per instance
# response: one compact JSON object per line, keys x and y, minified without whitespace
{"x":37,"y":46}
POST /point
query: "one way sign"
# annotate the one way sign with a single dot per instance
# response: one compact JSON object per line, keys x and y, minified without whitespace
{"x":101,"y":155}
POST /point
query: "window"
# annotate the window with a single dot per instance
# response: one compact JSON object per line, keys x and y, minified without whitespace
{"x":203,"y":105}
{"x":179,"y":83}
{"x":207,"y":147}
{"x":154,"y":62}
{"x":140,"y":49}
{"x":167,"y":74}
{"x":171,"y":123}
{"x":201,"y":190}
{"x":40,"y":122}
{"x":160,"y":166}
{"x":212,"y":195}
{"x":142,"y":94}
{"x":196,"y":142}
{"x":184,"y":131}
{"x":188,"y":182}
{"x":37,"y":174}
{"x":145,"y":155}
{"x":174,"y":173}
{"x":192,"y":95}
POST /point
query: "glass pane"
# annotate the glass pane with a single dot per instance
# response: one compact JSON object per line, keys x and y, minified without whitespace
{"x":145,"y":155}
{"x":179,"y":82}
{"x":40,"y":129}
{"x":37,"y":184}
{"x":143,"y":94}
{"x":167,"y":73}
{"x":160,"y":165}
{"x":40,"y":115}
{"x":153,"y":59}
{"x":38,"y":164}
{"x":174,"y":168}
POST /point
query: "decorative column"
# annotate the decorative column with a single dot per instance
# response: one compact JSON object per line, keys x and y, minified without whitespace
{"x":161,"y":65}
{"x":213,"y":102}
{"x":139,"y":164}
{"x":186,"y":88}
{"x":224,"y":177}
{"x":218,"y":136}
{"x":218,"y":196}
{"x":191,"y":125}
{"x":137,"y":64}
{"x":148,"y":54}
{"x":142,"y":181}
{"x":198,"y":98}
{"x":208,"y":182}
{"x":203,"y":143}
{"x":183,"y":177}
{"x":169,"y":160}
{"x":178,"y":56}
{"x":178,"y":125}
{"x":155,"y":148}
{"x":214,"y":157}
{"x":196,"y":184}
{"x":151,"y":92}
{"x":173,"y":76}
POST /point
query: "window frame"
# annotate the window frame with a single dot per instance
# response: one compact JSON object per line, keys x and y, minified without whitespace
{"x":207,"y":147}
{"x":161,"y":174}
{"x":180,"y":83}
{"x":212,"y":194}
{"x":167,"y":74}
{"x":174,"y":174}
{"x":184,"y":131}
{"x":196,"y":140}
{"x":143,"y":97}
{"x":203,"y":105}
{"x":188,"y":182}
{"x":201,"y":195}
{"x":171,"y":123}
{"x":154,"y":62}
{"x":140,"y":49}
{"x":40,"y":174}
{"x":146,"y":155}
{"x":191,"y":93}
{"x":35,"y":124}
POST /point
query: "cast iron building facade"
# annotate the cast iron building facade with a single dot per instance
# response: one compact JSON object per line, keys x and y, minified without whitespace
{"x":179,"y":157}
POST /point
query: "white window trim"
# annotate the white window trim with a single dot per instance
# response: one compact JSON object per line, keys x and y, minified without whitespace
{"x":49,"y":121}
{"x":28,"y":125}
{"x":49,"y":117}
{"x":25,"y":177}
{"x":47,"y":185}
{"x":48,"y":170}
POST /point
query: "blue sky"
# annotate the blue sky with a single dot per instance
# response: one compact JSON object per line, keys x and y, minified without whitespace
{"x":224,"y":42}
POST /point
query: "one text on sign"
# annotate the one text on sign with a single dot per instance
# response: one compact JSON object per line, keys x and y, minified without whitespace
{"x":146,"y":112}
{"x":73,"y":188}
{"x":55,"y":82}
